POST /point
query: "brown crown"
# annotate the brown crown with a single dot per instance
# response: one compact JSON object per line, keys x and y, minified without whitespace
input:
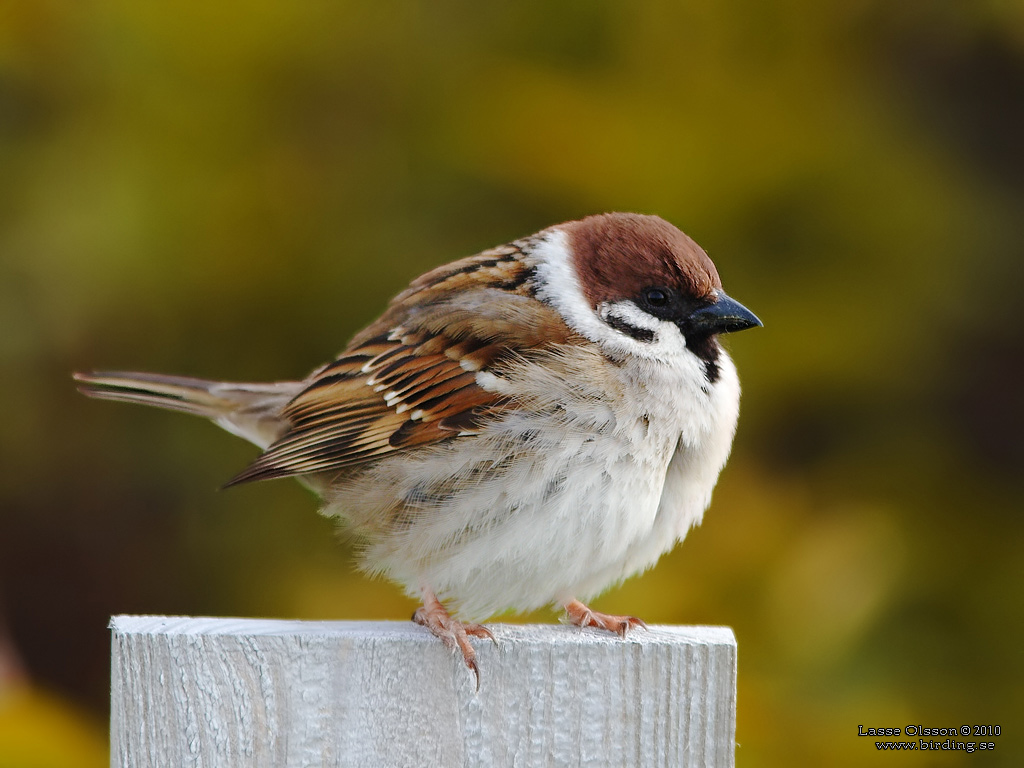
{"x":617,"y":255}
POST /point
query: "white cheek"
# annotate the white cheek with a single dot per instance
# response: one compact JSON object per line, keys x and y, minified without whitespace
{"x":666,"y":341}
{"x":559,"y":286}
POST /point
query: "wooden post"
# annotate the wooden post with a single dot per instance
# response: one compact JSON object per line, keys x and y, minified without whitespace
{"x":240,"y":692}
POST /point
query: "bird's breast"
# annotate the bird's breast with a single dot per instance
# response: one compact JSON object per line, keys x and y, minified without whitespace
{"x":550,"y":501}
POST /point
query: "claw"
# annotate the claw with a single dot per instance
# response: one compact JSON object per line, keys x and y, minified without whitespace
{"x":454,"y":634}
{"x":479,"y":630}
{"x":582,"y":616}
{"x":475,"y":669}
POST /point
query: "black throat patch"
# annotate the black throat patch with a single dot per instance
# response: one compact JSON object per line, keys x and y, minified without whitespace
{"x":707,"y":349}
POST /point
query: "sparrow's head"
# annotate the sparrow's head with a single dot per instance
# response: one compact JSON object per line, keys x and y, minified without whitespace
{"x":636,"y":284}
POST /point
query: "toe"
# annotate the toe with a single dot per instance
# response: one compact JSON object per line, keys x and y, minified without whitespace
{"x":479,"y":630}
{"x":582,"y":616}
{"x":454,"y":634}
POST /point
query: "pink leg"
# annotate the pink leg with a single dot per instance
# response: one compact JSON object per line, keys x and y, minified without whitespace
{"x":454,"y":634}
{"x":582,"y":616}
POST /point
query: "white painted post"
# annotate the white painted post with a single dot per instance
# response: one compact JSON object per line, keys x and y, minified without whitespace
{"x":240,"y":692}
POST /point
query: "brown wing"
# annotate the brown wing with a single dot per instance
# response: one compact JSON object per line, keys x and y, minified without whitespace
{"x":410,"y":378}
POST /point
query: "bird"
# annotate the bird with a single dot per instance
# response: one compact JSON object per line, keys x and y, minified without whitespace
{"x":522,"y":428}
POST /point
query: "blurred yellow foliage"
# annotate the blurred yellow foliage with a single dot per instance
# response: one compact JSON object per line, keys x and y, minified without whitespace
{"x":232,"y":192}
{"x":41,"y":730}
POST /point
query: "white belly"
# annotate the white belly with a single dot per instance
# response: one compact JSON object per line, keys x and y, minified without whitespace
{"x":545,"y":507}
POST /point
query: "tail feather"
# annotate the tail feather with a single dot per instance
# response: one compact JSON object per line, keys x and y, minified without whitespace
{"x":251,"y":411}
{"x":175,"y":393}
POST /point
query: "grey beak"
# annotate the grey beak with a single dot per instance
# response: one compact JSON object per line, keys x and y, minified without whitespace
{"x":724,"y":316}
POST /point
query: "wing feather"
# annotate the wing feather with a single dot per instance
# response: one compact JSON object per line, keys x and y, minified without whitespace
{"x":410,"y":379}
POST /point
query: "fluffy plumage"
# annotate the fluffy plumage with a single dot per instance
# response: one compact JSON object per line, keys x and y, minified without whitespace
{"x":522,"y":427}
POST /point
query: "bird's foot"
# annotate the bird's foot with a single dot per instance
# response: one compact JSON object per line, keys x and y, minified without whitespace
{"x":453,"y":633}
{"x":582,"y":616}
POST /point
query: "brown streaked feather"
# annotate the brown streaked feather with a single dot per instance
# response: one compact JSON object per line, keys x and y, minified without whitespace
{"x":409,"y":379}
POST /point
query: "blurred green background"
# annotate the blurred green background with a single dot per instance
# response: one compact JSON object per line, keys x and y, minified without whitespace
{"x":231,"y":191}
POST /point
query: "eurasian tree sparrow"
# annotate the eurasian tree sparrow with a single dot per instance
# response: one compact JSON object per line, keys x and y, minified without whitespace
{"x":520,"y":428}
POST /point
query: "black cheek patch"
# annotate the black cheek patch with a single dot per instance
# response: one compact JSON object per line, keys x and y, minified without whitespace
{"x":645,"y":335}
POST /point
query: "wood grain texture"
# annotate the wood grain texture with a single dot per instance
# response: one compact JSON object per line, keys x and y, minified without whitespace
{"x":234,"y":692}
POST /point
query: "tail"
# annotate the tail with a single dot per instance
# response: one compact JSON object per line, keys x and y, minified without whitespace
{"x":251,"y":411}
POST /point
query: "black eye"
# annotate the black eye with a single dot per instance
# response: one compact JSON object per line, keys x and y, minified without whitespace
{"x":656,"y":297}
